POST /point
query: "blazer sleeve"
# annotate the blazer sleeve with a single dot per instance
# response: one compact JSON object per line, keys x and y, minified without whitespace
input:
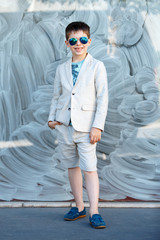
{"x":56,"y":94}
{"x":102,"y":97}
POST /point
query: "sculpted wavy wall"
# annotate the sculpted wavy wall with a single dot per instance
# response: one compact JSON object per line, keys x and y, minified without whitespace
{"x":125,"y":36}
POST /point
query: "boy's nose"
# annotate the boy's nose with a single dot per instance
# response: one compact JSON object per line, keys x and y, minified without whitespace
{"x":78,"y":42}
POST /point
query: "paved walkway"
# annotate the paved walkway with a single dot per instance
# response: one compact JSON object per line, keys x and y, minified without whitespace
{"x":48,"y":224}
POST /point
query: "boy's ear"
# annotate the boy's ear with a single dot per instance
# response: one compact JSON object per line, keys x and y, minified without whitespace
{"x":67,"y":43}
{"x":89,"y":41}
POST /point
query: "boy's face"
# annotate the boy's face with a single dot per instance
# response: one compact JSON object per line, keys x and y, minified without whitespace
{"x":79,"y":49}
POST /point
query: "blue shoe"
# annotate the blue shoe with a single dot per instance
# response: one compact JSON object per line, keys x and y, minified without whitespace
{"x":73,"y":214}
{"x":96,"y":221}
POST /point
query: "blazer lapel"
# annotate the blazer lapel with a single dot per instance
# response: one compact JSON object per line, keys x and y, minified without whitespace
{"x":83,"y":68}
{"x":69,"y":72}
{"x":69,"y":77}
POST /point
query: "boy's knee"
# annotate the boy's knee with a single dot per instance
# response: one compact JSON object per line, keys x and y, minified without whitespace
{"x":90,"y":172}
{"x":74,"y":169}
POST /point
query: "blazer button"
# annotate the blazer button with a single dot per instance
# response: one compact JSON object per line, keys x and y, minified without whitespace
{"x":69,"y":109}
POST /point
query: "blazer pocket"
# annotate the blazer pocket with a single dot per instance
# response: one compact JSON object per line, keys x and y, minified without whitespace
{"x":88,"y":107}
{"x":59,"y":106}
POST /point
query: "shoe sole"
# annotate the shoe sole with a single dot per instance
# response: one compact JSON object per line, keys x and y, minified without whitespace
{"x":99,"y":227}
{"x":68,"y":219}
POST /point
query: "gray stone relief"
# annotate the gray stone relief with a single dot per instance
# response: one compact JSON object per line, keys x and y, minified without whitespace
{"x":125,"y":36}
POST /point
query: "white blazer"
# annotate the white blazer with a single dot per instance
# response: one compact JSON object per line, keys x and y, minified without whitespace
{"x":86,"y":102}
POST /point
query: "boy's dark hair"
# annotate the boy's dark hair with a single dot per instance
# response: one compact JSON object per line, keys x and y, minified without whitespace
{"x":77,"y":26}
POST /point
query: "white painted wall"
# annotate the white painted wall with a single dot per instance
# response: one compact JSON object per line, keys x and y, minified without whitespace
{"x":126,"y":38}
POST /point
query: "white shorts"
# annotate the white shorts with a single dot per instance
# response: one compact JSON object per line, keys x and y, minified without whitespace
{"x":75,"y":148}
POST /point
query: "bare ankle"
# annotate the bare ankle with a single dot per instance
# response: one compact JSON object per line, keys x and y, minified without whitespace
{"x":91,"y":213}
{"x":80,"y":208}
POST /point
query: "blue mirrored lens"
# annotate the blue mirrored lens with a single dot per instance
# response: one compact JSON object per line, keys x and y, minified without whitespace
{"x":73,"y":41}
{"x":84,"y":40}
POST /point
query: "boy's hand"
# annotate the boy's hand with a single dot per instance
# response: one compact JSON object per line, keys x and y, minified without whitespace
{"x":95,"y":135}
{"x":52,"y":124}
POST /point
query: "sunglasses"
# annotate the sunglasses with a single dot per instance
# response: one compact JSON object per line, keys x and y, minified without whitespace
{"x":73,"y":41}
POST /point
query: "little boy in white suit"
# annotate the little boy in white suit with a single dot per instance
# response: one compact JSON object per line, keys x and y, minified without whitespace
{"x":78,"y":111}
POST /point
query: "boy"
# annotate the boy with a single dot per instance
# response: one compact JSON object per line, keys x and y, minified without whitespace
{"x":78,"y":111}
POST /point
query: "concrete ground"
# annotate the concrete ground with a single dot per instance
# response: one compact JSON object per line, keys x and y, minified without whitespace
{"x":48,"y":224}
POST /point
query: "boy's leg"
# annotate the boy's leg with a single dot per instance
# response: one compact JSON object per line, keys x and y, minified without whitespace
{"x":75,"y":178}
{"x":92,"y":186}
{"x":88,"y":163}
{"x":70,"y":159}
